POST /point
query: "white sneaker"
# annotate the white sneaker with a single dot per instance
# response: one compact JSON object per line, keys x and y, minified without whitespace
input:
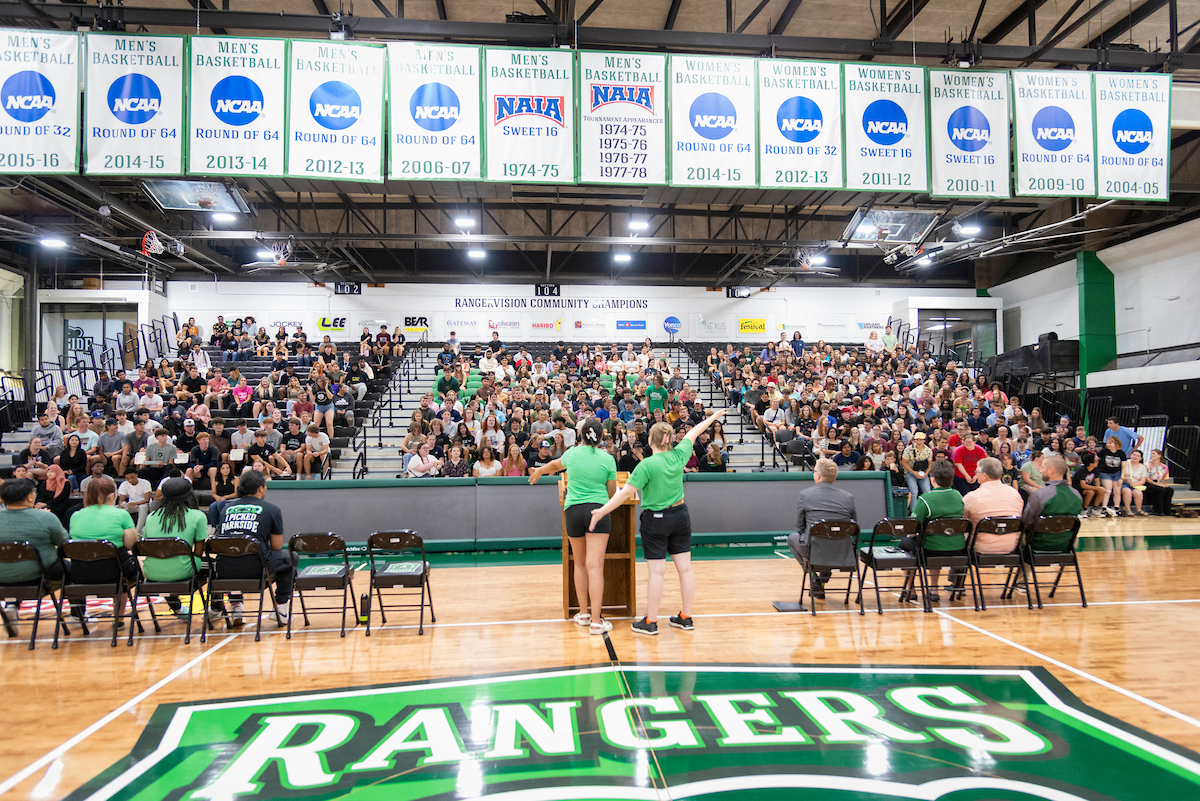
{"x":1111,"y":511}
{"x":235,"y":614}
{"x":282,"y":612}
{"x":599,"y":627}
{"x":582,"y":619}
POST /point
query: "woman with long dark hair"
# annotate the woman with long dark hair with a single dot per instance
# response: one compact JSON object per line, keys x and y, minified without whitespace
{"x":177,"y":518}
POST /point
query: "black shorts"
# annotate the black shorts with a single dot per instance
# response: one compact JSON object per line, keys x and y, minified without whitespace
{"x":666,"y":532}
{"x":579,"y":517}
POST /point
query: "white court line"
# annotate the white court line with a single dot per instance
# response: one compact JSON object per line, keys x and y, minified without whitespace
{"x":38,"y":764}
{"x":1166,"y":710}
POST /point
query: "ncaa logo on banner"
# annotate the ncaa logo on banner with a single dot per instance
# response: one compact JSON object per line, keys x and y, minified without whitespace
{"x":1053,"y":128}
{"x":1132,"y":131}
{"x":713,"y":116}
{"x":27,"y":96}
{"x":969,"y":129}
{"x":799,"y":119}
{"x":884,"y":122}
{"x":335,"y":105}
{"x":434,"y":107}
{"x":672,"y":325}
{"x":236,"y":100}
{"x":134,"y":99}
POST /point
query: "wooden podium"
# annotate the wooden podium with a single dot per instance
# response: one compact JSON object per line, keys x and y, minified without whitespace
{"x":620,"y":561}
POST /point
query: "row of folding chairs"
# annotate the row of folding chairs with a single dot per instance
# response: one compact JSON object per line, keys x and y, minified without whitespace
{"x":835,"y":546}
{"x":396,"y":559}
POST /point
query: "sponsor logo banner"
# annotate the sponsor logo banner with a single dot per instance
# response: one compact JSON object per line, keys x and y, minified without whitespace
{"x":335,"y":111}
{"x":799,"y":124}
{"x":463,"y":327}
{"x":434,"y":121}
{"x":331,"y":324}
{"x":672,"y":325}
{"x":631,"y":325}
{"x":1133,"y":126}
{"x":1053,"y":139}
{"x":712,"y":121}
{"x":39,"y":95}
{"x":886,"y":147}
{"x":546,"y":325}
{"x":623,"y":116}
{"x":590,"y":325}
{"x":968,"y":133}
{"x":643,"y":733}
{"x":752,"y":325}
{"x":236,"y":120}
{"x":133,"y":109}
{"x":530,"y":130}
{"x":416,"y":324}
{"x":372,"y":325}
{"x":717,"y":326}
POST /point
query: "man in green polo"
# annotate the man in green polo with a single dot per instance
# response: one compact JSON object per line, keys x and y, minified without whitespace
{"x":941,"y":501}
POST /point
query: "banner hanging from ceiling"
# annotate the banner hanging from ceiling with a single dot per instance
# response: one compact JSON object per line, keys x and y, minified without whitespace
{"x":886,"y":138}
{"x":530,"y":107}
{"x":622,"y":118}
{"x":39,"y":92}
{"x":968,"y":133}
{"x":1053,"y":140}
{"x":434,"y":119}
{"x":799,"y":124}
{"x":713,"y":125}
{"x":133,"y":107}
{"x":237,"y":91}
{"x":335,"y":111}
{"x":1133,"y":135}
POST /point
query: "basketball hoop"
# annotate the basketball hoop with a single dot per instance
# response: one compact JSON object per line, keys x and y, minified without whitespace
{"x":150,"y":244}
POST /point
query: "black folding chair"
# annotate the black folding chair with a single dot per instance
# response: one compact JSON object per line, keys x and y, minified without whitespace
{"x":323,"y":577}
{"x":12,"y":553}
{"x":947,"y":530}
{"x":883,"y":554}
{"x":832,"y":546}
{"x":186,"y":587}
{"x":1010,"y":562}
{"x":235,"y":547}
{"x":1050,"y":542}
{"x":99,"y":555}
{"x":408,"y":573}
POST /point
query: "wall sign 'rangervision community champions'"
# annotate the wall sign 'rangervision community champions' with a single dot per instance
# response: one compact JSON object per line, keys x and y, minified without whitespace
{"x":465,"y":113}
{"x":652,"y":732}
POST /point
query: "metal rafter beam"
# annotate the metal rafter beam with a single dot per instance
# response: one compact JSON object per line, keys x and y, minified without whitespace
{"x":588,"y":12}
{"x":753,"y":15}
{"x":785,"y":17}
{"x":1128,"y":22}
{"x":206,"y":5}
{"x":321,"y":8}
{"x":903,"y":15}
{"x":1070,"y":29}
{"x":1018,"y":17}
{"x":672,"y":15}
{"x":441,"y":9}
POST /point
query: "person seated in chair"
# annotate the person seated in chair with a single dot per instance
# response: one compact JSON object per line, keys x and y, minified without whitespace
{"x":994,"y":498}
{"x":815,"y":505}
{"x":252,"y":516}
{"x":1056,"y":498}
{"x":941,"y":501}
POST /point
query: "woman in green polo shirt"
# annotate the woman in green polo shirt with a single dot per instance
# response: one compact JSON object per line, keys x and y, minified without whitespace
{"x":101,"y":519}
{"x":177,"y":518}
{"x":591,"y":481}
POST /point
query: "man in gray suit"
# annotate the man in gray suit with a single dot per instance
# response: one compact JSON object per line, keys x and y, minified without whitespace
{"x":816,"y":504}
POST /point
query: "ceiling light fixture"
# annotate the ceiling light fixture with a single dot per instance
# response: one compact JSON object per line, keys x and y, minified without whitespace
{"x":622,"y":258}
{"x":638,"y":225}
{"x":224,"y":216}
{"x":477,"y":254}
{"x":464,"y":222}
{"x":53,"y":242}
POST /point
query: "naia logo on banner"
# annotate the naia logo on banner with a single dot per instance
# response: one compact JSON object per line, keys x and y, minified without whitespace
{"x":969,"y":129}
{"x":605,"y":93}
{"x":236,"y":100}
{"x":335,"y":105}
{"x":885,"y":123}
{"x":1053,"y":128}
{"x":134,"y":99}
{"x":434,"y":107}
{"x":1132,"y":131}
{"x":27,"y":96}
{"x":508,"y":106}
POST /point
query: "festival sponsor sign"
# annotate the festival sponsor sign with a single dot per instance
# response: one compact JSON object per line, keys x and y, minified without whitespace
{"x":39,"y":92}
{"x":133,"y":107}
{"x":799,"y":124}
{"x":752,"y":326}
{"x":1133,"y":135}
{"x":656,"y":731}
{"x":886,"y":139}
{"x":335,"y":111}
{"x":529,"y":100}
{"x":1053,"y":140}
{"x":434,"y":120}
{"x":622,"y":118}
{"x":236,"y":119}
{"x":968,"y":133}
{"x":713,"y":130}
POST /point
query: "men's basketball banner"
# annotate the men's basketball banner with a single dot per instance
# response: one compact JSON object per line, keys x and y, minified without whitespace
{"x":529,"y":107}
{"x":434,"y":119}
{"x":713,"y":125}
{"x":133,"y":107}
{"x":335,"y":111}
{"x":238,"y":88}
{"x":622,"y":118}
{"x":886,"y":141}
{"x":1053,"y":141}
{"x":39,"y":92}
{"x":968,"y":133}
{"x":652,"y":732}
{"x":799,"y":124}
{"x":1133,"y":135}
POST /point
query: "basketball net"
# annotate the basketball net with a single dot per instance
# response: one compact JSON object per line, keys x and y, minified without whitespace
{"x":150,"y":244}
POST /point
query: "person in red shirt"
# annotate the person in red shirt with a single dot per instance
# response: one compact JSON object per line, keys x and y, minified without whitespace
{"x":956,"y":438}
{"x":966,"y":461}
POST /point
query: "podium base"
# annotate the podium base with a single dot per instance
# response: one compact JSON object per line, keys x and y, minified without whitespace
{"x":789,"y":606}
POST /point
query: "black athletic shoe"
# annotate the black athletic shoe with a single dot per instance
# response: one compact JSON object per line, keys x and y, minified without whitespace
{"x":681,"y":622}
{"x":818,"y":589}
{"x":644,"y":627}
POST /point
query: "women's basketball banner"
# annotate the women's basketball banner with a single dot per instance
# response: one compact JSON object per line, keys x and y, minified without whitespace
{"x":133,"y":107}
{"x":335,"y":111}
{"x":1053,"y":139}
{"x":622,"y":118}
{"x":799,"y":124}
{"x":238,"y":88}
{"x":968,"y":133}
{"x":713,"y":125}
{"x":434,"y":119}
{"x":886,"y":147}
{"x":1133,"y":135}
{"x":530,"y":107}
{"x":39,"y":92}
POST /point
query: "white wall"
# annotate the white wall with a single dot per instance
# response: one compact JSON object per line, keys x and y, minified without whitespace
{"x":1039,"y":303}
